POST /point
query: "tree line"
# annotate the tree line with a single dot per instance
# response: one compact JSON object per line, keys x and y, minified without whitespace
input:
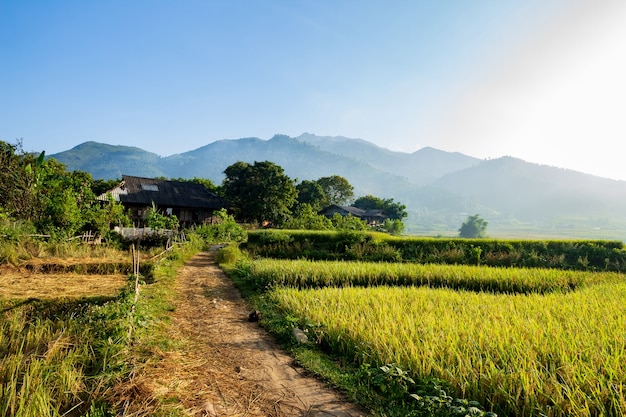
{"x":39,"y":196}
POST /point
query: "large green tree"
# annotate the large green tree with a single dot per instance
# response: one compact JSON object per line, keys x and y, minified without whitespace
{"x":473,"y":227}
{"x":311,"y":193}
{"x":337,"y":189}
{"x":261,"y":192}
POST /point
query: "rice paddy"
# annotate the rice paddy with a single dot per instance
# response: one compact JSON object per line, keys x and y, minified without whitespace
{"x":522,"y":342}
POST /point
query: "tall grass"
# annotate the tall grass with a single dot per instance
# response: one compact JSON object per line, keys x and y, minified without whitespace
{"x":559,"y":354}
{"x":66,"y":357}
{"x":57,"y":357}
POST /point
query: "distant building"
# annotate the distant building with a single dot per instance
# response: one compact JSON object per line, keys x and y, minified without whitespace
{"x":372,"y":217}
{"x":190,"y":202}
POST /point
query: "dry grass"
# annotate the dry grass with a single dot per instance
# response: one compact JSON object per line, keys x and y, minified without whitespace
{"x":16,"y":284}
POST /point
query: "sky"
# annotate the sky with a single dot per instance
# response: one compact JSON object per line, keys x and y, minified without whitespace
{"x":540,"y":80}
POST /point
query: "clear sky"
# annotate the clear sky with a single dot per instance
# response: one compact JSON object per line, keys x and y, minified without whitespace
{"x":541,"y":80}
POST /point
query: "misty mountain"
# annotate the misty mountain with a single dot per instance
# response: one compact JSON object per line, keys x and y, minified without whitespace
{"x":420,"y":167}
{"x":439,"y":188}
{"x":538,"y":193}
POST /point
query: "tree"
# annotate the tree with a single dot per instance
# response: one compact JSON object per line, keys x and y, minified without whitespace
{"x":311,"y":193}
{"x":260,"y":192}
{"x":473,"y":227}
{"x":65,"y":200}
{"x":20,"y":177}
{"x":337,"y":189}
{"x":393,"y":211}
{"x":107,"y":214}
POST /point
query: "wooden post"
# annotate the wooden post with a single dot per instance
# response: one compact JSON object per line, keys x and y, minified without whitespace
{"x":136,"y":270}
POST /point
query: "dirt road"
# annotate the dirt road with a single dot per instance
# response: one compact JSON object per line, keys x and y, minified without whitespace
{"x":227,"y":366}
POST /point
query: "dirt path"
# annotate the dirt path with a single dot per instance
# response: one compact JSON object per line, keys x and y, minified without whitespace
{"x":226,"y":365}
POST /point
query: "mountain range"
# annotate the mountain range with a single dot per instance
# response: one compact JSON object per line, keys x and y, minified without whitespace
{"x":439,"y":188}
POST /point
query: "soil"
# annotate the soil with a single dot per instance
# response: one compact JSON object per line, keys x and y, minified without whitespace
{"x":225,"y":365}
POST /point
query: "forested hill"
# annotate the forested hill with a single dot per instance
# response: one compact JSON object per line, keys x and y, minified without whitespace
{"x":439,"y":188}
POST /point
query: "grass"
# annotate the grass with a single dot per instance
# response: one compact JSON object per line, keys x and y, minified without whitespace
{"x":54,"y":286}
{"x":58,"y":356}
{"x":70,"y":341}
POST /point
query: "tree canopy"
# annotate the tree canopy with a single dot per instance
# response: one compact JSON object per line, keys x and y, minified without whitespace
{"x":261,"y":192}
{"x":312,"y":193}
{"x":43,"y":193}
{"x":391,"y":209}
{"x":473,"y":227}
{"x":337,"y":189}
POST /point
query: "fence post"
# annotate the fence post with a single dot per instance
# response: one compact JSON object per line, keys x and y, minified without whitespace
{"x":136,"y":270}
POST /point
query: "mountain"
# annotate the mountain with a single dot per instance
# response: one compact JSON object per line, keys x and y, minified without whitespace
{"x":421,"y":167}
{"x":537,"y":193}
{"x":439,"y":188}
{"x":110,"y":161}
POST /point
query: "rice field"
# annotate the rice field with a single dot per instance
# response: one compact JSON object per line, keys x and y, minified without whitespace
{"x":534,"y":343}
{"x":63,"y":325}
{"x":311,"y":274}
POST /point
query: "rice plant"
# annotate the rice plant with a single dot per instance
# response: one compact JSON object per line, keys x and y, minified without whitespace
{"x":57,"y":356}
{"x":556,"y":354}
{"x":311,"y":274}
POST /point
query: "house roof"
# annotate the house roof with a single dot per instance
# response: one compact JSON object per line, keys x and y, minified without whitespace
{"x":164,"y":193}
{"x":355,"y":211}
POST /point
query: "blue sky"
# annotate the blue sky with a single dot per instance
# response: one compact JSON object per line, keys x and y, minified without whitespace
{"x":542,"y":80}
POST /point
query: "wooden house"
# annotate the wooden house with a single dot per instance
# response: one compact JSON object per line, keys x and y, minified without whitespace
{"x":190,"y":202}
{"x":372,"y":217}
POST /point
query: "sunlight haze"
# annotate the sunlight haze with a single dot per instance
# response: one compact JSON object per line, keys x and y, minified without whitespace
{"x":538,"y":80}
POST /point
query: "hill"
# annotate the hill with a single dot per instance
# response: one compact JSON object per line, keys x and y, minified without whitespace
{"x":439,"y":188}
{"x":110,"y":161}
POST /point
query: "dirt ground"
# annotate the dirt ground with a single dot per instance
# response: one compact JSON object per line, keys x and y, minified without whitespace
{"x":226,"y":366}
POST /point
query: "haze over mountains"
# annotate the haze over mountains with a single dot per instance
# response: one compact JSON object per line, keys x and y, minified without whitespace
{"x":439,"y":188}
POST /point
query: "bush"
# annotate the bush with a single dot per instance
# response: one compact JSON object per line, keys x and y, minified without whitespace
{"x":348,"y":244}
{"x":225,"y":230}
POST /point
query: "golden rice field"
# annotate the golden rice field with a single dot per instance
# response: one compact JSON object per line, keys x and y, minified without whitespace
{"x":545,"y":350}
{"x":306,"y":274}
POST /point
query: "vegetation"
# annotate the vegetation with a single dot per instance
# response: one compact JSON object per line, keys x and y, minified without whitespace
{"x":337,"y":189}
{"x":311,"y":193}
{"x":260,"y":192}
{"x":393,"y":211}
{"x":473,"y":228}
{"x":432,"y":338}
{"x":446,"y":327}
{"x":226,"y":229}
{"x":159,"y":221}
{"x":315,"y":274}
{"x":68,"y":355}
{"x":42,"y":195}
{"x":359,"y":244}
{"x":557,"y":355}
{"x":58,"y":357}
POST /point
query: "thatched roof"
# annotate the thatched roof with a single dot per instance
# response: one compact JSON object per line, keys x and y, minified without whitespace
{"x":145,"y":191}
